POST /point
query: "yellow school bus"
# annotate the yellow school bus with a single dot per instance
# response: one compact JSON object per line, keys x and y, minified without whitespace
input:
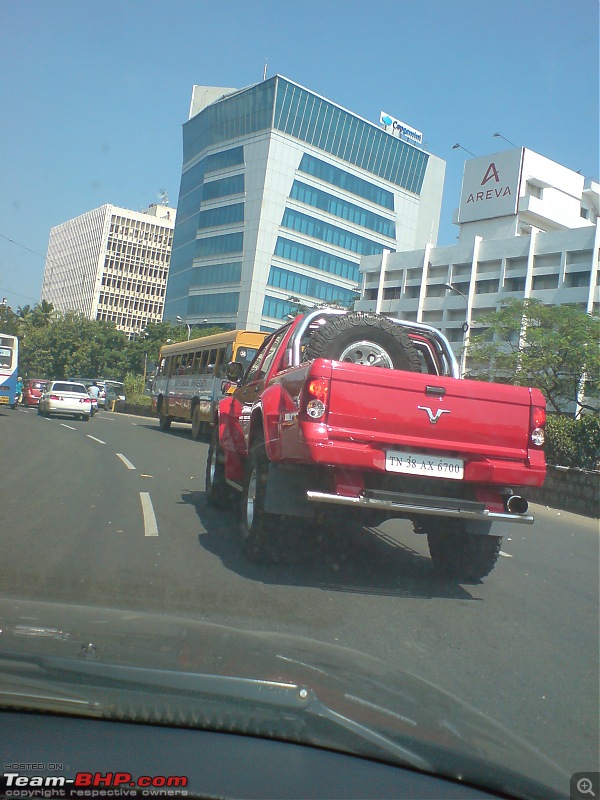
{"x":187,"y":383}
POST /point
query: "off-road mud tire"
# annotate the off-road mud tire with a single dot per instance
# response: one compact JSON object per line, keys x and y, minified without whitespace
{"x":218,"y":493}
{"x":464,"y":557}
{"x":375,"y":332}
{"x":259,"y":530}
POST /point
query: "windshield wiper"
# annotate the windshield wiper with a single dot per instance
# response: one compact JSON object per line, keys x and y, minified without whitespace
{"x":274,"y":709}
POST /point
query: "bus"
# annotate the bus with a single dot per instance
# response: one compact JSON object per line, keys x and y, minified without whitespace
{"x":9,"y":364}
{"x":187,"y":382}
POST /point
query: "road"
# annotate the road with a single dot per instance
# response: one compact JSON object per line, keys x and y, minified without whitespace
{"x":112,"y":513}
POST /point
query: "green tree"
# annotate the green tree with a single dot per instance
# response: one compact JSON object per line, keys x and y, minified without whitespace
{"x":72,"y":346}
{"x":23,"y":312}
{"x":9,"y":322}
{"x":554,"y":348}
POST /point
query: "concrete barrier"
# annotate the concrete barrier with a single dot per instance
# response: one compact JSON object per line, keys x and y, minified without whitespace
{"x":569,"y":489}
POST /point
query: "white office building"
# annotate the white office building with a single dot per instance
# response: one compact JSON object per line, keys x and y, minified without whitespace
{"x":282,"y":192}
{"x":112,"y":264}
{"x":529,"y":228}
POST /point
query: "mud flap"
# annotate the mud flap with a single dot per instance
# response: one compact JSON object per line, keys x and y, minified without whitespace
{"x":286,"y":492}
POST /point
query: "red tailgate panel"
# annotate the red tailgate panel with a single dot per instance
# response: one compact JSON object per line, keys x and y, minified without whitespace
{"x":395,"y":408}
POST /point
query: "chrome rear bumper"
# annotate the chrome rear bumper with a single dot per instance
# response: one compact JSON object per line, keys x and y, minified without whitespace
{"x":410,"y":505}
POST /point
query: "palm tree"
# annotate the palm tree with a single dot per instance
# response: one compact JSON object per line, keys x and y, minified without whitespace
{"x":44,"y":313}
{"x":24,"y":311}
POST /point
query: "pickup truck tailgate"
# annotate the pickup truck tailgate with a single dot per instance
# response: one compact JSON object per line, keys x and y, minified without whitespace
{"x":427,"y":412}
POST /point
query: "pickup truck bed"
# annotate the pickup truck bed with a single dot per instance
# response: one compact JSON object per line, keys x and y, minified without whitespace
{"x":357,"y":417}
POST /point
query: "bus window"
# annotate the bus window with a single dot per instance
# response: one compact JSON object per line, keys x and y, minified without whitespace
{"x":5,"y":357}
{"x":196,"y":364}
{"x":245,"y":355}
{"x":204,"y":362}
{"x":175,"y":364}
{"x":212,"y":360}
{"x":221,"y":363}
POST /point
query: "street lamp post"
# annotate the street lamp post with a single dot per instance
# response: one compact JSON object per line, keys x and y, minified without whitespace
{"x":465,"y":326}
{"x":505,"y":139}
{"x":181,"y":321}
{"x":457,"y":145}
{"x":188,"y":325}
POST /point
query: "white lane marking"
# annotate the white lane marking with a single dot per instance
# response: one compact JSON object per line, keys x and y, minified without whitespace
{"x":150,"y":526}
{"x":126,"y":461}
{"x":70,"y":427}
{"x":94,"y":438}
{"x":108,"y":419}
{"x":506,"y":555}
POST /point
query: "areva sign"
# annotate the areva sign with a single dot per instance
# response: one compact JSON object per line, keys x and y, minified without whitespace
{"x":491,"y":186}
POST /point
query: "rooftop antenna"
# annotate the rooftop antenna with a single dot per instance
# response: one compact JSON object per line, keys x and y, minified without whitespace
{"x":265,"y":70}
{"x":164,"y":197}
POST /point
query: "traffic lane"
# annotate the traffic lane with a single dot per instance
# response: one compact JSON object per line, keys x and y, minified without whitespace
{"x":73,"y":530}
{"x":506,"y":645}
{"x":532,"y":638}
{"x":151,"y":450}
{"x":378,"y":595}
{"x":165,"y":466}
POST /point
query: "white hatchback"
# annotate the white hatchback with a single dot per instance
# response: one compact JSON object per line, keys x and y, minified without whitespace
{"x":66,"y":397}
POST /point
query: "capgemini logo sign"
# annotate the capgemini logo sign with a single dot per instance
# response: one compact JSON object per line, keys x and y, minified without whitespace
{"x":401,"y":128}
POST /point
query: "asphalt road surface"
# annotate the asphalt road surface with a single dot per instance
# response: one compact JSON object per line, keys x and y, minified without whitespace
{"x":112,"y":513}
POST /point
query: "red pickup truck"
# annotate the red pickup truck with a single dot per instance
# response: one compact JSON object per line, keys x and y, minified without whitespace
{"x":357,"y":418}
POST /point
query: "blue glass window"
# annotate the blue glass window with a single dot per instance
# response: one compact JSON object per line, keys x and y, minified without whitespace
{"x":343,"y":209}
{"x":224,"y":159}
{"x":309,"y":287}
{"x":217,"y":274}
{"x":181,"y":259}
{"x":189,"y":204}
{"x":274,"y":307}
{"x":223,"y":187}
{"x":318,"y":229}
{"x":218,"y":245}
{"x":348,"y":137}
{"x":236,"y":115}
{"x":224,"y":215}
{"x":344,"y":180}
{"x":312,"y":257}
{"x":225,"y":303}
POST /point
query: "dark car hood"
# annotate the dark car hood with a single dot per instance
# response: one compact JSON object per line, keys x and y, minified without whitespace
{"x":170,"y":670}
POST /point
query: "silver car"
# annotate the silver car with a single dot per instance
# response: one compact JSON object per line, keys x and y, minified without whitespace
{"x":66,"y":397}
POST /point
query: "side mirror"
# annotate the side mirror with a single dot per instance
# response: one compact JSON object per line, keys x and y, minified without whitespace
{"x":235,"y":371}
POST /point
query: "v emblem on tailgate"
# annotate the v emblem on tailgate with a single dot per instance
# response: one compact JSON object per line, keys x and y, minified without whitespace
{"x":433,"y":418}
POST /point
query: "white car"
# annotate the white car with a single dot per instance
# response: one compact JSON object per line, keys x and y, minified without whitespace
{"x":66,"y":397}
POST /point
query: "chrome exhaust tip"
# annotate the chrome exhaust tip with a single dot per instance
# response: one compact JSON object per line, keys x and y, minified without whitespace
{"x":515,"y":504}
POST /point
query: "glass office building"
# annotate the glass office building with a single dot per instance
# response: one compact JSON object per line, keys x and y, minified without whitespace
{"x":282,"y":192}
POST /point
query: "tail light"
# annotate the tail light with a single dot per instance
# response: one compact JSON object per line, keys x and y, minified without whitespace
{"x":316,"y":396}
{"x":55,"y":397}
{"x":537,"y":423}
{"x":85,"y":400}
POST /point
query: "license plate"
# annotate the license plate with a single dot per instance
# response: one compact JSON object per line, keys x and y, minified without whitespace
{"x":427,"y":465}
{"x":4,"y":399}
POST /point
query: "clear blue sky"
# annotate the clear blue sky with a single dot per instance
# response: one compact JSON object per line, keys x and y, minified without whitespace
{"x":93,"y":94}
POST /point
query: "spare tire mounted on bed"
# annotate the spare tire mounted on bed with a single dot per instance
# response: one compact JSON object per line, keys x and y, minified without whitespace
{"x":364,"y":338}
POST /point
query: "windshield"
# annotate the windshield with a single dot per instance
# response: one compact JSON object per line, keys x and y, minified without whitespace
{"x":399,"y":524}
